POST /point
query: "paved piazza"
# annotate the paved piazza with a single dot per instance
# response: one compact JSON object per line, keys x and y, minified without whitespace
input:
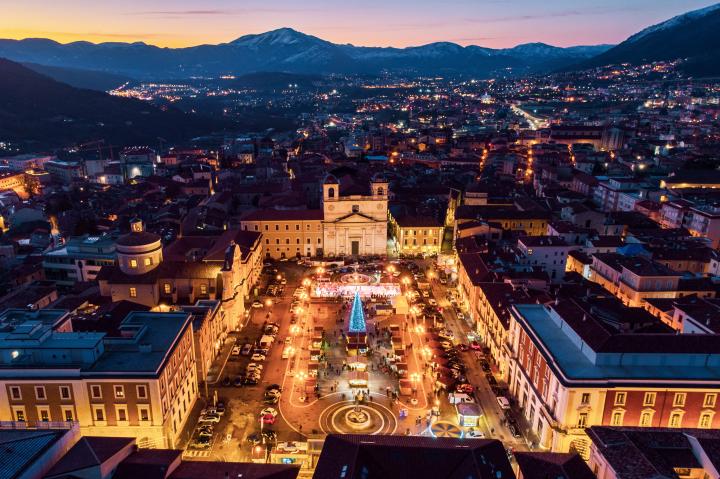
{"x":317,"y":397}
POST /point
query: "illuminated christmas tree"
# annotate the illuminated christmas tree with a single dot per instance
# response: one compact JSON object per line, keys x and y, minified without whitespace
{"x":357,"y":317}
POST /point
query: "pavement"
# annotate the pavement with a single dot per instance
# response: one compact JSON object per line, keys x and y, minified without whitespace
{"x":303,"y":415}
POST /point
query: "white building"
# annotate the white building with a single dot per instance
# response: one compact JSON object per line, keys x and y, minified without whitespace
{"x":355,"y":222}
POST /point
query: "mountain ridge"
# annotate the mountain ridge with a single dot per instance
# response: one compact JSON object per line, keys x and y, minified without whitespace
{"x":289,"y":50}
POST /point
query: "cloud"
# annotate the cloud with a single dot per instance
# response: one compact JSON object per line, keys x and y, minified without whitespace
{"x":592,"y":11}
{"x":214,"y":12}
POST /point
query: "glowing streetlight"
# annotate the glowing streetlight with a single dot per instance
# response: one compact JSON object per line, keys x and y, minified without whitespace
{"x":268,"y":303}
{"x":306,"y":282}
{"x":278,"y":277}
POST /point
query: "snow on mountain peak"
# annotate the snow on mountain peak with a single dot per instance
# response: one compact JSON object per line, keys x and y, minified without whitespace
{"x":281,"y":36}
{"x":675,"y":21}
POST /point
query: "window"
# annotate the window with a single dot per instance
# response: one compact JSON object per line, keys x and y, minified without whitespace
{"x":133,"y":263}
{"x":582,"y":419}
{"x":44,"y":414}
{"x":19,"y":413}
{"x":267,"y":227}
{"x":331,"y":192}
{"x":620,"y":399}
{"x":297,"y":227}
{"x":15,"y":393}
{"x":710,"y":400}
{"x":256,"y":227}
{"x":649,"y":399}
{"x":144,"y":414}
{"x":646,"y":418}
{"x":356,"y":208}
{"x":122,"y":414}
{"x":40,"y":392}
{"x":95,"y":392}
{"x":142,"y":392}
{"x":133,"y":292}
{"x":675,"y":419}
{"x":705,"y":421}
{"x":99,"y":414}
{"x":64,"y":392}
{"x":679,"y":400}
{"x":585,"y":398}
{"x":530,"y":252}
{"x":119,"y":392}
{"x":287,"y":227}
{"x":617,"y":418}
{"x":203,"y":289}
{"x":167,"y":287}
{"x":148,"y":262}
{"x":68,"y":414}
{"x":277,"y":227}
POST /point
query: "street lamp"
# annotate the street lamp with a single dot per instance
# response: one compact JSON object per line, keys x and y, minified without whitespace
{"x":268,"y":303}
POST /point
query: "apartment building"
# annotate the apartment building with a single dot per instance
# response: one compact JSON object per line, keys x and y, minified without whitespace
{"x":139,"y":381}
{"x":415,"y":235}
{"x":590,"y":361}
{"x":287,"y":233}
{"x":79,"y":259}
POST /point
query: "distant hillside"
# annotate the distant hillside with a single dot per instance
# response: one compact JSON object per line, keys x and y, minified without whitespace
{"x":694,"y":36}
{"x":287,"y":50}
{"x":37,"y":110}
{"x":89,"y":79}
{"x":275,"y":81}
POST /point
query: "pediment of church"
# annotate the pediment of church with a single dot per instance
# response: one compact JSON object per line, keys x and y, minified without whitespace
{"x":355,"y":218}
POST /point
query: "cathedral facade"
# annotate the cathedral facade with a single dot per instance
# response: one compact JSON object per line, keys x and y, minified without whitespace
{"x":355,"y":222}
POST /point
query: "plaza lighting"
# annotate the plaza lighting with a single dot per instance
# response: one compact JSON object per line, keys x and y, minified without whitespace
{"x":306,"y":282}
{"x":278,"y":277}
{"x":294,"y":329}
{"x":419,"y":329}
{"x":268,"y":303}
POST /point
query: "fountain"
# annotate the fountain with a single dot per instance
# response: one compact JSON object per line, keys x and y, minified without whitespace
{"x":357,"y":419}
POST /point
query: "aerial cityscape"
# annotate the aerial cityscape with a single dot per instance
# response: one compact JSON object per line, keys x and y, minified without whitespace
{"x":463,"y":239}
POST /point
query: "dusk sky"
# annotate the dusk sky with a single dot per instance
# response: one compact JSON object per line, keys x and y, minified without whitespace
{"x":492,"y":23}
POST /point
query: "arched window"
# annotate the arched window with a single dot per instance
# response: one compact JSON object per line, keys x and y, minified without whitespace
{"x":331,"y":192}
{"x":381,"y":191}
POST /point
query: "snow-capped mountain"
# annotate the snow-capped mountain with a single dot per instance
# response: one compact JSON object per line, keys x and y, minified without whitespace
{"x":693,"y":37}
{"x":288,"y":50}
{"x":674,"y":22}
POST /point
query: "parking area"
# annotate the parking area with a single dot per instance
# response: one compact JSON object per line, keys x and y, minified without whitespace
{"x":264,"y":395}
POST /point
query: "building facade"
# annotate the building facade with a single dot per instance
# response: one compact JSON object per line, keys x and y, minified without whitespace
{"x":140,"y":382}
{"x":355,"y":224}
{"x":568,"y":371}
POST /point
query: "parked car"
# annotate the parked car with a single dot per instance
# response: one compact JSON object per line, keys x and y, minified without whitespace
{"x":269,"y":410}
{"x":464,"y":388}
{"x":460,"y":316}
{"x":268,"y":419}
{"x":491,"y":379}
{"x":201,"y":443}
{"x":235,"y":351}
{"x":475,"y":346}
{"x":238,"y":381}
{"x":257,"y":304}
{"x":432,"y":302}
{"x":503,"y":402}
{"x":474,"y":433}
{"x":514,"y":429}
{"x":257,"y":357}
{"x":226,"y":381}
{"x":210,"y":417}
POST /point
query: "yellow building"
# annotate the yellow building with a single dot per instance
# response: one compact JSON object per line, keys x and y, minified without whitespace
{"x":415,"y":235}
{"x":137,"y":381}
{"x":192,"y":268}
{"x":287,"y":233}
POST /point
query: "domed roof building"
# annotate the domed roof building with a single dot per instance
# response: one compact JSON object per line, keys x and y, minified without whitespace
{"x":138,"y":251}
